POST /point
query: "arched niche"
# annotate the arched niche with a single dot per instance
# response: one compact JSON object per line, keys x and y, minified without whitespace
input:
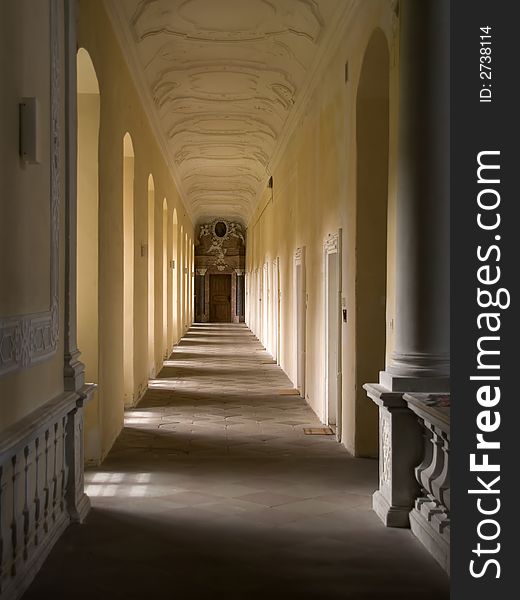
{"x":372,"y":144}
{"x":87,"y":273}
{"x":175,"y":276}
{"x":128,"y":269}
{"x":151,"y":276}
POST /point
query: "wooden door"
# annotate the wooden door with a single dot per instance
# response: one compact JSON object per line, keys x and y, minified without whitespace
{"x":220,"y":298}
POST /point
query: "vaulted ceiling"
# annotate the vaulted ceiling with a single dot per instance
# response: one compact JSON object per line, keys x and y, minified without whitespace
{"x":222,"y":81}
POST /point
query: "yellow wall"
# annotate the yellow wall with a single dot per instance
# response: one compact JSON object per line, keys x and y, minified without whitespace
{"x":25,"y":203}
{"x":315,"y":195}
{"x":121,"y":112}
{"x":88,"y":256}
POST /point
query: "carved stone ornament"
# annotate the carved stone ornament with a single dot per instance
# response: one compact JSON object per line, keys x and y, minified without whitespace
{"x":299,"y":255}
{"x":220,"y":231}
{"x":331,"y":243}
{"x":386,"y":453}
{"x":27,"y":339}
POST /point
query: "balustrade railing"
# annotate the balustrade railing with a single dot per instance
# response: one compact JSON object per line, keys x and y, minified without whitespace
{"x":41,"y":487}
{"x":430,"y":517}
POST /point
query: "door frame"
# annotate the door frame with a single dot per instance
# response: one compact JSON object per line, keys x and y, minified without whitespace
{"x":300,"y":312}
{"x":265,"y":307}
{"x":331,"y":246}
{"x":276,"y":308}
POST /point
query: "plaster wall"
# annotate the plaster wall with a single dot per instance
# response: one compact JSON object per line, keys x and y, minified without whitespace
{"x":25,"y":215}
{"x":88,"y":257}
{"x":314,"y":195}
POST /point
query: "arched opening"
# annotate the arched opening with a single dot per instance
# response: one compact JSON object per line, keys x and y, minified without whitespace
{"x":151,"y":279}
{"x":165,"y":315}
{"x":175,"y":271}
{"x":181,"y":282}
{"x":186,"y":282}
{"x":191,"y":278}
{"x":372,"y":138}
{"x":128,"y":269}
{"x":88,"y":105}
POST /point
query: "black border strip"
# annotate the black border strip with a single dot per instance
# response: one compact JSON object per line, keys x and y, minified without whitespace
{"x":476,"y":127}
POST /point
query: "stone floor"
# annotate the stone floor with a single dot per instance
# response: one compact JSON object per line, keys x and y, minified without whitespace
{"x":213,"y":491}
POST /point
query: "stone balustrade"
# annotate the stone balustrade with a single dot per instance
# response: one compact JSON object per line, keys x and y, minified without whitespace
{"x":430,"y":517}
{"x":41,"y":486}
{"x":414,"y":475}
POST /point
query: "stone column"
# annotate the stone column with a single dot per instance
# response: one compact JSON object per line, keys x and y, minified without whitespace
{"x":420,"y":360}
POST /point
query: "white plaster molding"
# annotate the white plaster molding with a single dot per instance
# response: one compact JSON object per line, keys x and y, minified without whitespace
{"x":331,"y":244}
{"x":224,"y":93}
{"x":299,"y":255}
{"x":31,"y":338}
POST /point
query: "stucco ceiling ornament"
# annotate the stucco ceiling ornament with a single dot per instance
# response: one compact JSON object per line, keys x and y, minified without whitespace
{"x":224,"y":83}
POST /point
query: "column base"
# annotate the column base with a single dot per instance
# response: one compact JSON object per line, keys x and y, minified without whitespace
{"x":401,"y":383}
{"x":392,"y":516}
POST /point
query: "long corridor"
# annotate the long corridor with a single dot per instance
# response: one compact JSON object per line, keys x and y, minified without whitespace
{"x":213,"y":490}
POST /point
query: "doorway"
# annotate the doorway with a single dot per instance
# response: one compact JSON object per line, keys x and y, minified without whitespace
{"x":332,"y":251}
{"x":275,"y":299}
{"x":301,"y":309}
{"x":265,"y":308}
{"x":220,"y":298}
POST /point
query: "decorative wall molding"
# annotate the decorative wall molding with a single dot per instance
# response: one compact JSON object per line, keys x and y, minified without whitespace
{"x":221,"y":231}
{"x":299,"y":254}
{"x":385,"y":470}
{"x":28,"y":339}
{"x":331,"y":244}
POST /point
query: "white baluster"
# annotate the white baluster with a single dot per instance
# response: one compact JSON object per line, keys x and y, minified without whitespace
{"x":26,"y":519}
{"x":46,"y":490}
{"x":55,"y":473}
{"x":37,"y":500}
